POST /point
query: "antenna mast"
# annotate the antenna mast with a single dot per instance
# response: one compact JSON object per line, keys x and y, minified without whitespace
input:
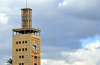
{"x":26,"y":3}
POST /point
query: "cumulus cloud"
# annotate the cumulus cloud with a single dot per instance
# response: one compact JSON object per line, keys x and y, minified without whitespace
{"x":5,"y":10}
{"x":89,"y":55}
{"x":4,"y":27}
{"x":3,"y":18}
{"x":64,"y":3}
{"x":82,"y":4}
{"x":81,"y":8}
{"x":52,"y":62}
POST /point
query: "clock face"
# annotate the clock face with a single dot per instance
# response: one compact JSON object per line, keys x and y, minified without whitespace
{"x":35,"y":46}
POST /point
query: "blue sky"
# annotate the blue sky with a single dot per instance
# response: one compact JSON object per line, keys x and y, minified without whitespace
{"x":70,"y":30}
{"x":89,"y":40}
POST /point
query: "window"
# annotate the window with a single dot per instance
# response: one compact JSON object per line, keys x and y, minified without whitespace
{"x":16,"y":42}
{"x":19,"y":56}
{"x":16,"y":49}
{"x":22,"y":63}
{"x":35,"y":64}
{"x":19,"y":63}
{"x":35,"y":57}
{"x":19,"y":42}
{"x":19,"y":49}
{"x":22,"y":56}
{"x":25,"y":49}
{"x":25,"y":41}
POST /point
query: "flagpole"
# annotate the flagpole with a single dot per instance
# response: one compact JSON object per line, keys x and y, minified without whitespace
{"x":26,"y":3}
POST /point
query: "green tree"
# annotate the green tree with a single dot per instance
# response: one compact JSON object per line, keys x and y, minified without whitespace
{"x":9,"y":61}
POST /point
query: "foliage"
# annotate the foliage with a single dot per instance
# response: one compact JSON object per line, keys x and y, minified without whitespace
{"x":9,"y":61}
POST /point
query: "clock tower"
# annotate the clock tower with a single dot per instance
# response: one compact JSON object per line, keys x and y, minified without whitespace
{"x":26,"y":41}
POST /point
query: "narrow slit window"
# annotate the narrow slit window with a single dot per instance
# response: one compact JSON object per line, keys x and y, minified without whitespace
{"x":22,"y":56}
{"x":19,"y":49}
{"x":25,"y":49}
{"x":16,"y":42}
{"x":35,"y":64}
{"x":25,"y":41}
{"x":19,"y":63}
{"x":16,"y":49}
{"x":19,"y":56}
{"x":35,"y":57}
{"x":22,"y":63}
{"x":19,"y":42}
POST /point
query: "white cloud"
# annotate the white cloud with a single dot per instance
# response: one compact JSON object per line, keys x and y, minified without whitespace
{"x":52,"y":62}
{"x":5,"y":10}
{"x":77,"y":3}
{"x":64,"y":3}
{"x":3,"y":18}
{"x":89,"y":55}
{"x":5,"y":28}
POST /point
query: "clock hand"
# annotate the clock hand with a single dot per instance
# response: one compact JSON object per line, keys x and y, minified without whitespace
{"x":34,"y":46}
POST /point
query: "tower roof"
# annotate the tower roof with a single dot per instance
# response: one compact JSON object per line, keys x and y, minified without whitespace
{"x":22,"y":29}
{"x":26,"y":8}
